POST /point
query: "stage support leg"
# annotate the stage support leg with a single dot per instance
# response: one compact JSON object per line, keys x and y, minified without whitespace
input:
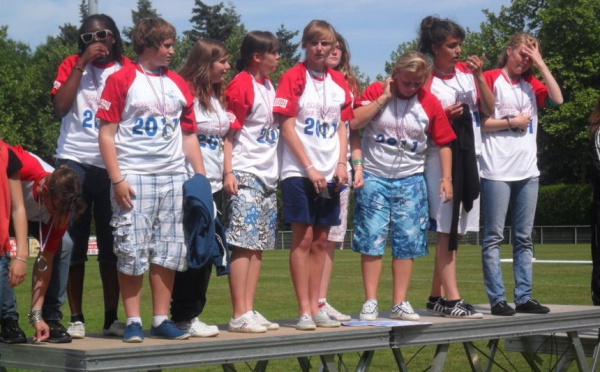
{"x":439,"y":360}
{"x":493,"y":346}
{"x":365,"y":361}
{"x":596,"y":355}
{"x":576,"y":342}
{"x":473,"y":357}
{"x":402,"y":366}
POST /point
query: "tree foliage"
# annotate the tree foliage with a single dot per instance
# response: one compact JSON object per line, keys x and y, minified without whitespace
{"x":213,"y":21}
{"x":144,"y":10}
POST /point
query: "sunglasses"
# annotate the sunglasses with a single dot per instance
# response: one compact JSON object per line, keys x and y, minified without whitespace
{"x":99,"y":35}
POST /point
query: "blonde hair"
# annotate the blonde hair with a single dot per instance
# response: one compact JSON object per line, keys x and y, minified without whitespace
{"x":414,"y":62}
{"x":318,"y":29}
{"x":198,"y":67}
{"x":522,"y":38}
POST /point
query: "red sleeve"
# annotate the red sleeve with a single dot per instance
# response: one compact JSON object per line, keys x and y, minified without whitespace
{"x":64,"y":70}
{"x":239,"y":96}
{"x":291,"y":86}
{"x":114,"y":94}
{"x":339,"y":79}
{"x":440,"y":130}
{"x":370,"y":94}
{"x":188,"y":115}
{"x":55,"y":236}
{"x":540,"y":90}
{"x":491,"y":76}
{"x":32,"y":169}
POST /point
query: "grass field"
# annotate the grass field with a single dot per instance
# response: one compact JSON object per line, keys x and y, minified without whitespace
{"x":553,"y":284}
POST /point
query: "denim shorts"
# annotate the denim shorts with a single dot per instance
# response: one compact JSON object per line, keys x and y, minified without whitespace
{"x":151,"y":232}
{"x":396,"y":205}
{"x":251,"y":215}
{"x":302,"y":204}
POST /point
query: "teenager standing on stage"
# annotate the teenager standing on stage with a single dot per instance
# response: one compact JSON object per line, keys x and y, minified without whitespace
{"x":251,"y":172}
{"x":454,"y":83}
{"x":147,"y":132}
{"x":205,"y":71}
{"x":509,"y":171}
{"x":76,"y":93}
{"x":339,"y":60}
{"x":401,"y":120}
{"x":312,"y":104}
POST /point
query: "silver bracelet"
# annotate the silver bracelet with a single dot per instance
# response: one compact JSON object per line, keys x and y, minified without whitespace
{"x":35,"y":316}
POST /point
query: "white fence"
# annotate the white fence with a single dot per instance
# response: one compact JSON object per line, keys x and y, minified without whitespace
{"x":541,"y":235}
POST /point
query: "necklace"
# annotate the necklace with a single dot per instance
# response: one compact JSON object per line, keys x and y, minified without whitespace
{"x":268,"y":127}
{"x":323,"y":98}
{"x":443,"y":73}
{"x":169,"y":125}
{"x":400,"y":132}
{"x":520,"y":101}
{"x":42,"y":263}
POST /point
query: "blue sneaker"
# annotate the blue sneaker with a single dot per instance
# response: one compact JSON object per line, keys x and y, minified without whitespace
{"x":167,"y":329}
{"x":133,"y":333}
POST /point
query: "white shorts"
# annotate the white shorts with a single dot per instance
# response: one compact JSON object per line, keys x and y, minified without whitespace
{"x":441,"y":212}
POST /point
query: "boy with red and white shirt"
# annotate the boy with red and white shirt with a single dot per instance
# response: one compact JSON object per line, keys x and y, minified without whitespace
{"x":147,"y":131}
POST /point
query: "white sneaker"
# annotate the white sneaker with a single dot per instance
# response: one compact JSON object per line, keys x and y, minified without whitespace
{"x":76,"y":330}
{"x":323,"y":320}
{"x":264,"y":322}
{"x":246,"y":324}
{"x":306,"y":323}
{"x":369,"y":311}
{"x":201,"y":329}
{"x":404,"y":311}
{"x":334,"y":314}
{"x":117,"y":329}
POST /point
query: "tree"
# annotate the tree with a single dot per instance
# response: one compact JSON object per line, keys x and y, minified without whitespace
{"x":288,"y":51}
{"x":215,"y":22}
{"x":144,"y":10}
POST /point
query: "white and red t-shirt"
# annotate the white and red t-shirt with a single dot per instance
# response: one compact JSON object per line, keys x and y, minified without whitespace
{"x":395,"y":141}
{"x":212,"y":128}
{"x":460,"y":87}
{"x":151,"y":111}
{"x":320,"y":105}
{"x":509,"y":155}
{"x":33,"y":172}
{"x":255,"y":147}
{"x":78,"y":139}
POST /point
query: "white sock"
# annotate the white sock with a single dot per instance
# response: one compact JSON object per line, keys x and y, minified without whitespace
{"x":134,"y":319}
{"x":158,"y":319}
{"x":322,"y":300}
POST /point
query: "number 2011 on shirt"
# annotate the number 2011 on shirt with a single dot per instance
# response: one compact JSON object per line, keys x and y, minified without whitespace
{"x":316,"y":128}
{"x":149,"y":126}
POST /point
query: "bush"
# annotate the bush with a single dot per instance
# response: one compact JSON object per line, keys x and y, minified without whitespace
{"x":564,"y":205}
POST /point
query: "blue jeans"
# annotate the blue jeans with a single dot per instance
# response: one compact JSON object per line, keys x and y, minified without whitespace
{"x":522,"y":197}
{"x":7,"y":293}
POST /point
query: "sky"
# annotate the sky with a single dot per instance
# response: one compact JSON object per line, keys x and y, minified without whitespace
{"x":373,"y":28}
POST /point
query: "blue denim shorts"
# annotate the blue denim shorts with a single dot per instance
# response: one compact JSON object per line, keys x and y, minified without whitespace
{"x":396,"y":205}
{"x":302,"y":204}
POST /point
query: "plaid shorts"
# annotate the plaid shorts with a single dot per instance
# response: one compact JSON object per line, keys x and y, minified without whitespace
{"x":151,"y":232}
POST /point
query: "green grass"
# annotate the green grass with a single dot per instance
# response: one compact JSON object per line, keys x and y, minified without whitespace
{"x":553,"y":284}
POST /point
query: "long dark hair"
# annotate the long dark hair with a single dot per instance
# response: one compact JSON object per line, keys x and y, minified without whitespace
{"x":260,"y":42}
{"x":434,"y":31}
{"x":117,"y":48}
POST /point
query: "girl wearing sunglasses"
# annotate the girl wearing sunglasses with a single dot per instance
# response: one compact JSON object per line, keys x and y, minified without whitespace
{"x":76,"y":93}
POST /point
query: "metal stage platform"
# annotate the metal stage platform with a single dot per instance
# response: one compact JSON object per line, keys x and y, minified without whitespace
{"x":97,"y":353}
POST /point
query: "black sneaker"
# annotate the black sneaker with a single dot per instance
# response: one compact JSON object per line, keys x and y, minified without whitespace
{"x":58,"y":333}
{"x":532,"y":307}
{"x":462,"y":310}
{"x":503,"y":309}
{"x":11,"y":332}
{"x":437,"y":307}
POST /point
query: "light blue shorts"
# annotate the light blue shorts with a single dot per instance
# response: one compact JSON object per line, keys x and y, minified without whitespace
{"x":151,"y":232}
{"x":251,"y":215}
{"x":396,"y":205}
